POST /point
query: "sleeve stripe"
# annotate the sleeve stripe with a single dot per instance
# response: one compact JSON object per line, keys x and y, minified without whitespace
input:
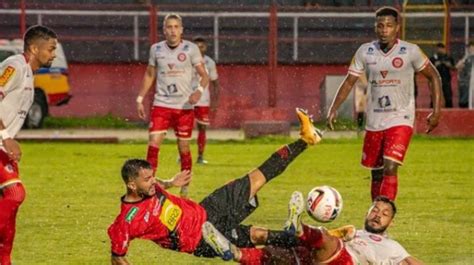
{"x":424,"y":65}
{"x":356,"y":73}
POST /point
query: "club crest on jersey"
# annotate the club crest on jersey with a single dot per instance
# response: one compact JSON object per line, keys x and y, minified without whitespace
{"x":6,"y":75}
{"x":9,"y":168}
{"x":182,"y":57}
{"x":384,"y":73}
{"x":397,"y":62}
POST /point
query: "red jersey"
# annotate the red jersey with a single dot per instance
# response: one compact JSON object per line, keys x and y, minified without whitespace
{"x":168,"y":220}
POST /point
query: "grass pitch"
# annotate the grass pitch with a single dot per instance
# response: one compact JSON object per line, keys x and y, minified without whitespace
{"x":73,"y":193}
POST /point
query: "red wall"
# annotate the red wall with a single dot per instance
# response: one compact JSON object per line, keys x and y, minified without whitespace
{"x":100,"y":89}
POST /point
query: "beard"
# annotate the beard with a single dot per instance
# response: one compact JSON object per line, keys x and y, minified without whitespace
{"x":47,"y":64}
{"x":371,"y":229}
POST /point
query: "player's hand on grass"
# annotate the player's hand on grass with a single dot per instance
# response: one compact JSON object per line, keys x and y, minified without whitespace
{"x":432,"y":120}
{"x":331,"y":119}
{"x":141,"y":111}
{"x":182,"y":178}
{"x":13,"y":149}
{"x":194,"y":97}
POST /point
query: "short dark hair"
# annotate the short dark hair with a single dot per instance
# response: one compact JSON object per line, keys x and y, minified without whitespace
{"x":386,"y":200}
{"x":37,"y":32}
{"x":440,"y":45}
{"x":199,"y":39}
{"x":131,"y":168}
{"x":387,"y":11}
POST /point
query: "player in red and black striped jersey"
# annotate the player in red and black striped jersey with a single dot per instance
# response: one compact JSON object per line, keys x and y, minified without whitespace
{"x":149,"y":212}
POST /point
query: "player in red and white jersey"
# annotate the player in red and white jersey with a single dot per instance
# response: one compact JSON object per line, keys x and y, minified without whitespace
{"x":389,"y":65}
{"x":343,"y":246}
{"x":16,"y":97}
{"x":149,"y":212}
{"x":205,"y":103}
{"x":172,"y":62}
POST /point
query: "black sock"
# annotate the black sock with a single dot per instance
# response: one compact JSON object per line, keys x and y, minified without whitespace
{"x":279,"y":160}
{"x":281,"y":239}
{"x":360,"y":119}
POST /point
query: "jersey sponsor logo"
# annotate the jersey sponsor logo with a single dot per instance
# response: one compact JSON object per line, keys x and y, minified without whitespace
{"x":397,"y":62}
{"x":171,"y":66}
{"x":384,"y":101}
{"x":384,"y":73}
{"x":131,"y":214}
{"x":182,"y":57}
{"x":7,"y":75}
{"x":375,"y":238}
{"x":170,"y":215}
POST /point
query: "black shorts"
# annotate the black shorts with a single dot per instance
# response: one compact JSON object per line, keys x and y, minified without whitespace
{"x":226,"y":208}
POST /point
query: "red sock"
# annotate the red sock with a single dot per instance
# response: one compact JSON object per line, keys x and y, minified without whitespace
{"x":389,"y":187}
{"x":375,"y":187}
{"x":11,"y":200}
{"x":186,"y":161}
{"x":252,"y":256}
{"x":152,"y":156}
{"x":312,"y":237}
{"x":201,"y":141}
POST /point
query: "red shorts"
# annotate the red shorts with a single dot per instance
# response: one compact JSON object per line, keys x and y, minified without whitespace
{"x":342,"y":257}
{"x":201,"y":114}
{"x":8,"y":170}
{"x":182,"y":121}
{"x":391,"y":144}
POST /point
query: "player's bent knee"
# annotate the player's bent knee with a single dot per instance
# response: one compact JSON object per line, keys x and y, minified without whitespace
{"x":258,"y":235}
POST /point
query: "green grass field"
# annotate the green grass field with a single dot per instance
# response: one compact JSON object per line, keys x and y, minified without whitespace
{"x":73,"y":193}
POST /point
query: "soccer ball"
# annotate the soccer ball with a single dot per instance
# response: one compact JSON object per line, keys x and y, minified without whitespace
{"x":324,"y":204}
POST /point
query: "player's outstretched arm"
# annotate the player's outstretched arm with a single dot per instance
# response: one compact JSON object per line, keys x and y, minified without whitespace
{"x":341,"y":95}
{"x":432,"y":75}
{"x":117,"y":260}
{"x":411,"y":261}
{"x":148,"y":78}
{"x":179,"y":180}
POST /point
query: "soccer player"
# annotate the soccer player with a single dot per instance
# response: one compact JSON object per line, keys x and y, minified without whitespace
{"x":16,"y":96}
{"x":389,"y":64}
{"x":172,"y":62}
{"x":201,"y":109}
{"x":149,"y":212}
{"x":316,"y":245}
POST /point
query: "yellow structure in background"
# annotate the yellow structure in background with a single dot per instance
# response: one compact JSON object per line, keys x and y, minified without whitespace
{"x":422,"y":30}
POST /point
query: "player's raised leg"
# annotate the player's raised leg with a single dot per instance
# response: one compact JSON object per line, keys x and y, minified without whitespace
{"x":280,"y":160}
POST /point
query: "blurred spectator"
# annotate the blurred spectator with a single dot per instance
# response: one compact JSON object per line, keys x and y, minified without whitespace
{"x":465,"y":80}
{"x":444,"y":63}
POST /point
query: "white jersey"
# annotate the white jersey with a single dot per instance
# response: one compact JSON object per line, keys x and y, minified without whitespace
{"x":175,"y":69}
{"x":16,"y":92}
{"x":391,"y":88}
{"x":211,"y":70}
{"x":369,"y":248}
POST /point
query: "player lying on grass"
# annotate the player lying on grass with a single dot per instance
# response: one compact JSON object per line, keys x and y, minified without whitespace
{"x":370,"y":245}
{"x":149,"y":212}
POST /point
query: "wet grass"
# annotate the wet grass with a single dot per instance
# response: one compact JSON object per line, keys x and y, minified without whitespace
{"x":73,"y":193}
